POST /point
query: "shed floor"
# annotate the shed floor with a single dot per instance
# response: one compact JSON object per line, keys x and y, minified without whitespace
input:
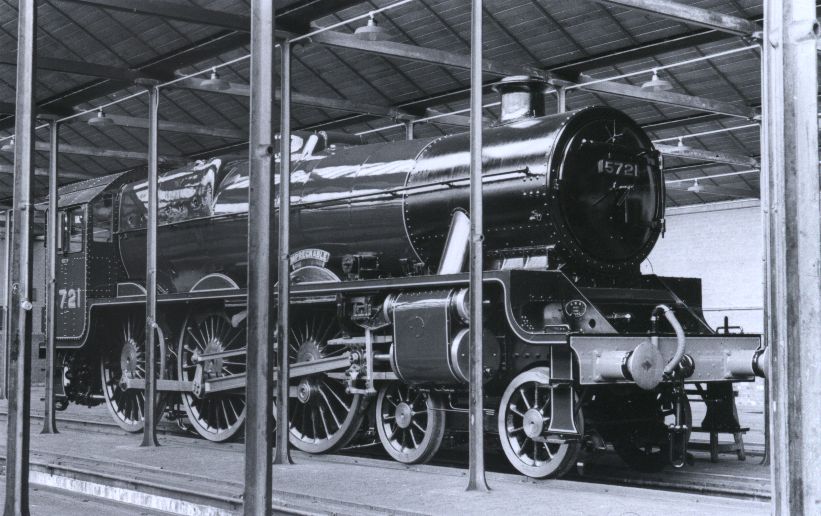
{"x":345,"y":485}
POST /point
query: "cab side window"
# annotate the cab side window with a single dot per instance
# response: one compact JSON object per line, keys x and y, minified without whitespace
{"x":101,"y":219}
{"x":76,"y":222}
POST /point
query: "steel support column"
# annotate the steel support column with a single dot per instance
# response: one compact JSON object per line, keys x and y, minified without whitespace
{"x":4,"y":352}
{"x":261,"y":265}
{"x":49,"y":419}
{"x":20,"y":319}
{"x":150,"y":429}
{"x":282,"y":455}
{"x":476,"y":457}
{"x":771,"y":186}
{"x":795,"y":253}
{"x":561,"y":99}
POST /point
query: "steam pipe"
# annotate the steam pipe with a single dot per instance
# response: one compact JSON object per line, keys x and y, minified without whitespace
{"x":681,"y":347}
{"x":457,"y":244}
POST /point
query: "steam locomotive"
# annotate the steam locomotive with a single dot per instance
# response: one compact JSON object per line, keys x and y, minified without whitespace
{"x":581,"y":349}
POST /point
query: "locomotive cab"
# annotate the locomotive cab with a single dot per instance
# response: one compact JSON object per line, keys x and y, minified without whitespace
{"x":69,"y":302}
{"x":86,"y":257}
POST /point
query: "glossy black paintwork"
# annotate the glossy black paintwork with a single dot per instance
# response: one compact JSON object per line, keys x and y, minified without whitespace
{"x":395,"y":201}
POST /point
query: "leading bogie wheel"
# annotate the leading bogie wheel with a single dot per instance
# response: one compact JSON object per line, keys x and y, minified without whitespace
{"x":642,"y":442}
{"x":523,"y":420}
{"x":410,"y":422}
{"x":217,"y":416}
{"x":123,"y":358}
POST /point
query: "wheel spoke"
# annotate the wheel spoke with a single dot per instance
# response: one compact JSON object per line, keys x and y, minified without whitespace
{"x":516,"y":411}
{"x":330,"y":409}
{"x":335,"y":395}
{"x":313,"y":422}
{"x":547,"y":449}
{"x":413,"y":438}
{"x":524,"y":398}
{"x":324,"y":422}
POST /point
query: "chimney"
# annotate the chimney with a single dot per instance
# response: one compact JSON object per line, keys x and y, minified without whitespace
{"x":522,"y":97}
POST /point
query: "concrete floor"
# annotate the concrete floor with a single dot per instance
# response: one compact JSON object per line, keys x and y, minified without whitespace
{"x":378,"y":486}
{"x":55,"y":502}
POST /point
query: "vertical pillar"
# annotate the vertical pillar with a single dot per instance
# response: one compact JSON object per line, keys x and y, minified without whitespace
{"x":771,"y":179}
{"x":409,"y":129}
{"x":476,"y":458}
{"x":282,"y":456}
{"x":4,"y":352}
{"x":49,"y":419}
{"x":261,"y":264}
{"x":561,"y":99}
{"x":150,"y":427}
{"x":17,"y":444}
{"x":791,"y":169}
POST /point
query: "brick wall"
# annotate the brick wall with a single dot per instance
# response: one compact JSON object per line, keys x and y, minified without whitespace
{"x":722,"y":244}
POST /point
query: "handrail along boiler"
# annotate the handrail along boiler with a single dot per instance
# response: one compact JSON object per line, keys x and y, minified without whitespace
{"x":581,"y":348}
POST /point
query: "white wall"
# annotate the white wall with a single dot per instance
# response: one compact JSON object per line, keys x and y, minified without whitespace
{"x":722,"y":244}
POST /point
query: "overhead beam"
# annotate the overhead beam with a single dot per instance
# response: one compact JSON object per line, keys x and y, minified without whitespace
{"x":690,"y":15}
{"x":450,"y":118}
{"x":7,"y":108}
{"x":420,"y":54}
{"x":670,"y":98}
{"x":69,"y":66}
{"x":104,"y":153}
{"x":334,"y":104}
{"x":348,"y":106}
{"x":684,"y":152}
{"x":63,"y":103}
{"x":716,"y":190}
{"x":171,"y":127}
{"x":457,"y":60}
{"x":293,"y":18}
{"x":174,"y":11}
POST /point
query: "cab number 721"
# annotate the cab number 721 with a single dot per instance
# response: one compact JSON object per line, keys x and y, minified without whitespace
{"x":69,"y":298}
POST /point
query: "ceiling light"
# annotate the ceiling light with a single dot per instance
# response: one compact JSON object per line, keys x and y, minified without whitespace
{"x":372,"y":31}
{"x":214,"y":83}
{"x":695,"y":188}
{"x":8,"y":145}
{"x":100,"y":120}
{"x":656,"y":84}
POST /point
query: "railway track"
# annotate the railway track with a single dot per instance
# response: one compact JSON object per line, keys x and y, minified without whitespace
{"x":730,"y":478}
